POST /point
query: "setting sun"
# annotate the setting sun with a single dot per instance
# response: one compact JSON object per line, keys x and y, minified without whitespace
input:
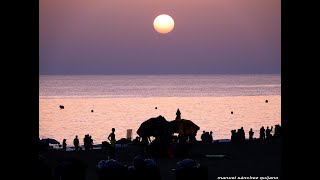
{"x":163,"y":24}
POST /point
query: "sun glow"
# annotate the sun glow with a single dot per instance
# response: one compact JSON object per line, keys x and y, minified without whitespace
{"x":163,"y":24}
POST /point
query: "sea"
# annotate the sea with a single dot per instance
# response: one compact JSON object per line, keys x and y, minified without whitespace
{"x":94,"y":104}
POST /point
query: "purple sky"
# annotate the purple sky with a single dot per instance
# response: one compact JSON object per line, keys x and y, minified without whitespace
{"x":117,"y":37}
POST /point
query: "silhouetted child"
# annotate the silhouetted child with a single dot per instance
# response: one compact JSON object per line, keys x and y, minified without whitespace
{"x":64,"y":145}
{"x":251,"y":134}
{"x":112,"y":139}
{"x":76,"y":143}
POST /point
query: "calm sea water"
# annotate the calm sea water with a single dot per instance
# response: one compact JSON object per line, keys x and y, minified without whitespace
{"x":125,"y":101}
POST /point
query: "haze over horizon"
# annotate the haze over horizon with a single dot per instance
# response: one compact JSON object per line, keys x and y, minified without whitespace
{"x":78,"y":37}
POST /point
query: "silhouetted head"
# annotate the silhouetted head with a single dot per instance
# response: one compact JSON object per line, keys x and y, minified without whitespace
{"x":113,"y":129}
{"x":241,"y":128}
{"x":76,"y":136}
{"x":210,"y":132}
{"x":186,"y":165}
{"x":150,"y":164}
{"x":250,"y":129}
{"x":64,"y":140}
{"x":111,"y":169}
{"x":71,"y":169}
{"x":203,"y":132}
{"x":138,"y":162}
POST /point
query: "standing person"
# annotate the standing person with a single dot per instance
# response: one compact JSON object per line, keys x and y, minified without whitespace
{"x":203,"y":135}
{"x":268,"y":132}
{"x":251,"y":134}
{"x":211,"y":137}
{"x":262,"y":133}
{"x":112,"y":139}
{"x":76,"y":143}
{"x":64,"y":145}
{"x":91,"y":143}
{"x":242,"y":134}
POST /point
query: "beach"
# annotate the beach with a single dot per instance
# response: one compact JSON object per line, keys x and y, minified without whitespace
{"x":247,"y":159}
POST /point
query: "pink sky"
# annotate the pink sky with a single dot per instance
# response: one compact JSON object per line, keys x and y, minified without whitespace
{"x":117,"y":37}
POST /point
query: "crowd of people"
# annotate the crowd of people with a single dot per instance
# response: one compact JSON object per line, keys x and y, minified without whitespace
{"x":140,"y":168}
{"x":264,"y":134}
{"x":207,"y":137}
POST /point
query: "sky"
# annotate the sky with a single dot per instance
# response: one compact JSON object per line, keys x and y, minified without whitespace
{"x":117,"y":37}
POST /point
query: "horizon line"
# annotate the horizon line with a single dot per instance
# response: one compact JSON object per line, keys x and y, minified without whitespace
{"x":160,"y":74}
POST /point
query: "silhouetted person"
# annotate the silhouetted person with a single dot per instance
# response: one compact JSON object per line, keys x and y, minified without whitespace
{"x":277,"y":131}
{"x":189,"y":169}
{"x":203,"y":136}
{"x":233,"y":135}
{"x":76,"y":143}
{"x":231,"y":112}
{"x":91,"y":110}
{"x":64,"y":145}
{"x":207,"y":137}
{"x":111,"y":170}
{"x":86,"y":142}
{"x":266,"y":101}
{"x":211,"y":137}
{"x":144,"y":169}
{"x":178,"y":114}
{"x":145,"y":140}
{"x":90,"y":143}
{"x":238,"y":135}
{"x":192,"y":138}
{"x":136,"y":140}
{"x":156,"y":108}
{"x":61,"y":107}
{"x":262,"y":133}
{"x":268,"y":132}
{"x":242,"y":134}
{"x":112,"y":139}
{"x":251,"y":134}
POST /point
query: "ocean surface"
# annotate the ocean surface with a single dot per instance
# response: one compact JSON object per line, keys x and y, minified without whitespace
{"x":125,"y":101}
